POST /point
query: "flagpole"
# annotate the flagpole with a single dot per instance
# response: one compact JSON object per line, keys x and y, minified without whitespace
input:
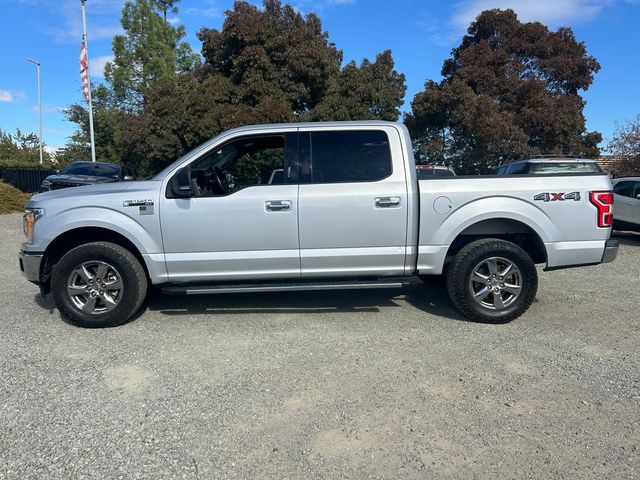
{"x":86,"y":48}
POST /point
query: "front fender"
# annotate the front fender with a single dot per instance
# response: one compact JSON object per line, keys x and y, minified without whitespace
{"x":143,"y":231}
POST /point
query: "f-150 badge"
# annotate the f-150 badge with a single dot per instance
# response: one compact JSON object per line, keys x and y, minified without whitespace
{"x":554,"y":197}
{"x":146,"y":206}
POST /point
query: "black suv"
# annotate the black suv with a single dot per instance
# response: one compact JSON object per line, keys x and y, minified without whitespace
{"x":81,"y":173}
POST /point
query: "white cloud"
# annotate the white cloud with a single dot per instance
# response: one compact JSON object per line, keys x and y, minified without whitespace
{"x":97,"y":64}
{"x":103,"y":18}
{"x":550,"y":12}
{"x":6,"y":96}
{"x":173,"y":20}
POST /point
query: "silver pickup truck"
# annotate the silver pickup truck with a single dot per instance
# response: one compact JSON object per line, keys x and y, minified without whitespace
{"x":311,"y":206}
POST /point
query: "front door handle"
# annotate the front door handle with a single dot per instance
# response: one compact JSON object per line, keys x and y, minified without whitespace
{"x":277,"y":205}
{"x":387,"y":202}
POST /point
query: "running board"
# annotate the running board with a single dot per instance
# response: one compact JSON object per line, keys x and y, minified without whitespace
{"x":275,"y":287}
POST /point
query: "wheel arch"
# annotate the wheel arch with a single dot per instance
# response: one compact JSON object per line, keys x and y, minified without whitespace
{"x":75,"y":237}
{"x":509,"y":229}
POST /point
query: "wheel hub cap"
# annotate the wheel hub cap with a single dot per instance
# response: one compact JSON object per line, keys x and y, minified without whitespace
{"x":95,"y":287}
{"x":495,"y":283}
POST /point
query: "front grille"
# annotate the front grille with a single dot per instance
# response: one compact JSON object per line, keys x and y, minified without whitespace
{"x":59,"y":185}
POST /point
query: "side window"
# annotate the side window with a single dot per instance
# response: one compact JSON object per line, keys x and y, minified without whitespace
{"x":242,"y":163}
{"x":624,"y":188}
{"x":517,"y":168}
{"x":355,"y":156}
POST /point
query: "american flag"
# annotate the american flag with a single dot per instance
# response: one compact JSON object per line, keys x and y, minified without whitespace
{"x":84,"y":70}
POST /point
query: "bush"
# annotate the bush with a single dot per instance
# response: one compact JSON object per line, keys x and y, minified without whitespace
{"x":11,"y":199}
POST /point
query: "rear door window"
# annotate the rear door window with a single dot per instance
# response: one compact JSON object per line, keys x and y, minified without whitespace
{"x":517,"y":168}
{"x":346,"y":157}
{"x":624,"y":189}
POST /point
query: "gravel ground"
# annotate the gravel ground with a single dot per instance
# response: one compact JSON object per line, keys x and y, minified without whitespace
{"x":364,"y":384}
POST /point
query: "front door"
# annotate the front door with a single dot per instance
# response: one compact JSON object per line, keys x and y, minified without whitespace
{"x":352,"y":202}
{"x":240,"y":222}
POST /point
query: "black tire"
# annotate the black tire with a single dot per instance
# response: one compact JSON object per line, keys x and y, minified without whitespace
{"x":509,"y":302}
{"x":106,"y":307}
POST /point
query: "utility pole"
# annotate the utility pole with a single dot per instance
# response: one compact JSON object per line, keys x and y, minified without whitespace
{"x":37,"y":64}
{"x":86,"y":48}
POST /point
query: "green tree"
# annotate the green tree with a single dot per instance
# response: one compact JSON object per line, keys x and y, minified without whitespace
{"x":372,"y":91}
{"x":166,"y":6}
{"x":107,"y":120}
{"x":273,"y":53}
{"x":263,"y":66}
{"x":149,"y":50}
{"x":509,"y":90}
{"x":626,"y":145}
{"x":22,"y":149}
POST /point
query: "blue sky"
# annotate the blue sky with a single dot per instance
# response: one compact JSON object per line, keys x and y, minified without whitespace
{"x":420,"y":34}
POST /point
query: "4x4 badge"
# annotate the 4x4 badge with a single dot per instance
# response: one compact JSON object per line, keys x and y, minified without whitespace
{"x":553,"y":197}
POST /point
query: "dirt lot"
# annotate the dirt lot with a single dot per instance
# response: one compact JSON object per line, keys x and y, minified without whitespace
{"x":367,"y":384}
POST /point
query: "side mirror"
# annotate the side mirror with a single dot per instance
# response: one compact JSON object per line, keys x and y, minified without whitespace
{"x":638,"y":196}
{"x":127,"y":178}
{"x":180,"y":183}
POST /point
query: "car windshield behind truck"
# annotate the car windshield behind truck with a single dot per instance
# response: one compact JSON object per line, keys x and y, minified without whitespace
{"x":93,"y":170}
{"x":565,"y":167}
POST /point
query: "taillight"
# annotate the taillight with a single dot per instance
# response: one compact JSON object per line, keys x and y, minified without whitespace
{"x":603,"y":201}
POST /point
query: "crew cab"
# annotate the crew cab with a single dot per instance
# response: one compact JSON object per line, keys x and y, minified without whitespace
{"x":311,"y":206}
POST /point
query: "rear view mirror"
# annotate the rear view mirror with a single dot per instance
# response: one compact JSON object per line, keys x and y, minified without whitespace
{"x":180,"y":183}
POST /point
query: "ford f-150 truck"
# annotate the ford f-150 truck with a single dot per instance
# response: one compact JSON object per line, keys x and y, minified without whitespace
{"x":311,"y":206}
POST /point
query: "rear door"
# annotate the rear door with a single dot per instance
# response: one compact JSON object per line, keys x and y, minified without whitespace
{"x":625,"y":202}
{"x":352,"y":202}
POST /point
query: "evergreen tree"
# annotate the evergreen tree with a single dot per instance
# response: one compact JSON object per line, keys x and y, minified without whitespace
{"x":149,"y":50}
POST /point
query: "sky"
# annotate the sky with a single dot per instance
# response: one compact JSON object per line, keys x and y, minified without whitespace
{"x":419,"y":33}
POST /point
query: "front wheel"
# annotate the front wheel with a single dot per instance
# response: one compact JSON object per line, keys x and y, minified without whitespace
{"x":99,"y":284}
{"x":492,"y":280}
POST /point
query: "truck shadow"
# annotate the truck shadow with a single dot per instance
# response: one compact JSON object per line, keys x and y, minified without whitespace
{"x":431,"y":300}
{"x":627,"y":238}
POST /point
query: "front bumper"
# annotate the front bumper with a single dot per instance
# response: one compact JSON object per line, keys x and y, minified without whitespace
{"x":30,"y":265}
{"x":610,"y":251}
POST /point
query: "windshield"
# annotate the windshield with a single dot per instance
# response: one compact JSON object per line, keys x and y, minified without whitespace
{"x":565,"y":167}
{"x":93,"y":170}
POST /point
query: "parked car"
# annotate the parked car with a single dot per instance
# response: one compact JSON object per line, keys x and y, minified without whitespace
{"x":86,"y":173}
{"x":549,"y":166}
{"x":626,"y":214}
{"x":347,"y":213}
{"x":427,"y":171}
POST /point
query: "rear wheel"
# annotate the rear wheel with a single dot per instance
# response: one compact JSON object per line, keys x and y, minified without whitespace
{"x":492,"y":280}
{"x":98,"y":284}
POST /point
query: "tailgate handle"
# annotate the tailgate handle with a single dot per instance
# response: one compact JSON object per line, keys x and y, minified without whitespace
{"x":277,"y":205}
{"x":387,"y":202}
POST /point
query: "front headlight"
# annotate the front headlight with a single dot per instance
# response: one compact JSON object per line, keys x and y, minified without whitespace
{"x":29,"y":219}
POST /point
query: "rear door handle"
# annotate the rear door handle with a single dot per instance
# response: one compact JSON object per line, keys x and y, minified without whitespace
{"x":387,"y":202}
{"x":277,"y":205}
